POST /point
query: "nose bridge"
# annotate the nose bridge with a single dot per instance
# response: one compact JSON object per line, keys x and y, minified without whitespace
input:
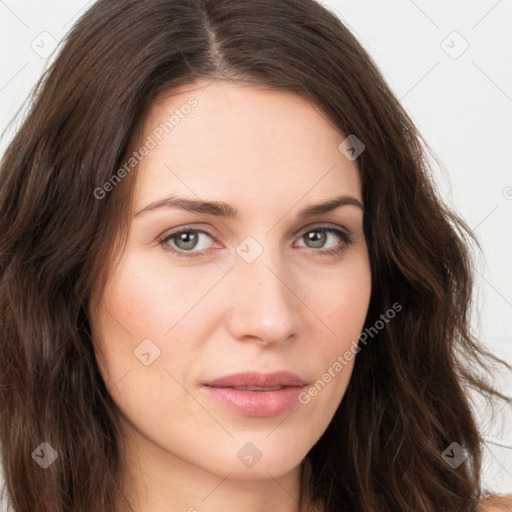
{"x":264,"y":306}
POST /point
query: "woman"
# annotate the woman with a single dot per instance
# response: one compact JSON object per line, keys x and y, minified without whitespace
{"x":227,"y":280}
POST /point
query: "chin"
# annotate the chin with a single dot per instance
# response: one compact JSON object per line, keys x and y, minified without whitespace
{"x":263,"y":457}
{"x":262,"y":470}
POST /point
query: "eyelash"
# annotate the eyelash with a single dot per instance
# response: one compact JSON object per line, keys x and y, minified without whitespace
{"x":346,"y":236}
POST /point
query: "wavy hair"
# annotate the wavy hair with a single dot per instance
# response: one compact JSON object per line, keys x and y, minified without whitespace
{"x":408,"y":397}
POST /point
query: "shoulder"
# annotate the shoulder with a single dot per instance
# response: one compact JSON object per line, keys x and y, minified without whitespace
{"x":495,"y":503}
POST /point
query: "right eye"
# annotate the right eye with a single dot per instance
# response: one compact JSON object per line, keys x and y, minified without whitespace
{"x":182,"y":241}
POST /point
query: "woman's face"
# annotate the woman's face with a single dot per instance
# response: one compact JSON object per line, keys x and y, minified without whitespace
{"x":264,"y":290}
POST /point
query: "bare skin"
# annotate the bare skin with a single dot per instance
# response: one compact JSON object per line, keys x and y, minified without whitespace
{"x":295,"y":307}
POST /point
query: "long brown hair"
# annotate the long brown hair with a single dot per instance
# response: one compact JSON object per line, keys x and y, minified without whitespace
{"x":407,"y":400}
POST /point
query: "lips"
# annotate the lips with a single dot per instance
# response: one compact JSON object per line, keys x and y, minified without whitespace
{"x":256,"y":394}
{"x":258,"y":380}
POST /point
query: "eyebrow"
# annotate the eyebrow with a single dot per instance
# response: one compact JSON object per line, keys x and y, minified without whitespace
{"x":225,"y":210}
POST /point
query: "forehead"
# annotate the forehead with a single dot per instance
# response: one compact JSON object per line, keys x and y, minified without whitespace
{"x":241,"y":142}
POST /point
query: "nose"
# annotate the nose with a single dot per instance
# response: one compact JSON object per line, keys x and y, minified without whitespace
{"x":263,"y":302}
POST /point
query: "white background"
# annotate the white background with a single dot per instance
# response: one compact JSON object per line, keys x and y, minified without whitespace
{"x":460,"y":100}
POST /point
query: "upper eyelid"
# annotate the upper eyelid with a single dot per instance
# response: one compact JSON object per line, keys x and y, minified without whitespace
{"x":325,"y":225}
{"x":319,"y":224}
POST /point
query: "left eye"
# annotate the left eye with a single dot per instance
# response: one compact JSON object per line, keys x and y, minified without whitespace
{"x":184,"y":241}
{"x":319,"y":236}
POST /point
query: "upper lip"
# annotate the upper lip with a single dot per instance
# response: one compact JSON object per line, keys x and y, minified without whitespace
{"x":282,"y":378}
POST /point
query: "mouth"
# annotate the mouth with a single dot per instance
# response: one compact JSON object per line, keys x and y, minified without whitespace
{"x":255,"y":388}
{"x":256,"y":394}
{"x":258,"y":380}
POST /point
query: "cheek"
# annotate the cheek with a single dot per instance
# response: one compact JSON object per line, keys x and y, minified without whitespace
{"x":342,"y":304}
{"x":141,"y":299}
{"x":344,"y":312}
{"x":138,"y":308}
{"x":134,"y":308}
{"x":147,"y":307}
{"x":147,"y":298}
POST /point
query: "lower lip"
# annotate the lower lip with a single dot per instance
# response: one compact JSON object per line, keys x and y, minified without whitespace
{"x":255,"y":403}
